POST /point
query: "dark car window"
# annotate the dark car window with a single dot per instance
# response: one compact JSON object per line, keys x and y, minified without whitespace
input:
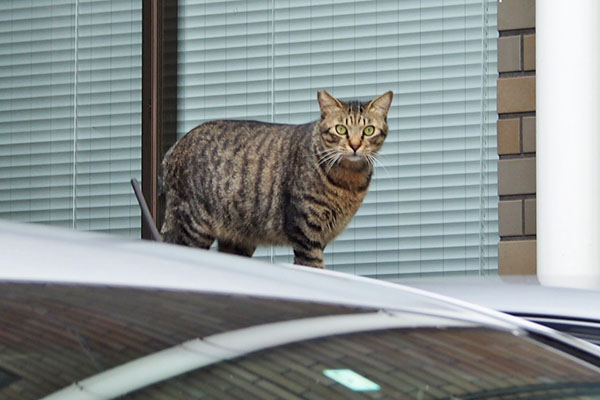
{"x":584,"y":329}
{"x":54,"y":335}
{"x":454,"y":363}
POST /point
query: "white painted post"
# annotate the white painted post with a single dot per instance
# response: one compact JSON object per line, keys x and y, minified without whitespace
{"x":568,"y":142}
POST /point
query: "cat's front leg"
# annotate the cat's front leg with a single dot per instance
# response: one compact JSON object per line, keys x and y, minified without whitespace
{"x":312,"y":257}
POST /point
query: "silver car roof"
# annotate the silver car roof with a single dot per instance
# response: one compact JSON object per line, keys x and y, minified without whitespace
{"x":40,"y":254}
{"x":518,"y":294}
{"x":35,"y":253}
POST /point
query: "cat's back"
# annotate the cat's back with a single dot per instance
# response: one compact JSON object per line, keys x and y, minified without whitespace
{"x":242,"y":131}
{"x":230,"y":140}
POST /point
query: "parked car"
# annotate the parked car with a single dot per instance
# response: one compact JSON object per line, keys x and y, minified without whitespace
{"x":89,"y":316}
{"x":567,"y":309}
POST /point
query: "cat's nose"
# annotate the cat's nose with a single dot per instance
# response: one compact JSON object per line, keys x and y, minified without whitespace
{"x":354,"y":145}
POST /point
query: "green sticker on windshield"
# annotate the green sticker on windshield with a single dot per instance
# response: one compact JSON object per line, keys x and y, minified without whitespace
{"x":351,"y":380}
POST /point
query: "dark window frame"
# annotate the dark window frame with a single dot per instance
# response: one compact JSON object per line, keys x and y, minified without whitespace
{"x":159,"y":96}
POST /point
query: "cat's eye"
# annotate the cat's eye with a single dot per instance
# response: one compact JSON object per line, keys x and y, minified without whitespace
{"x":341,"y":129}
{"x":369,"y":130}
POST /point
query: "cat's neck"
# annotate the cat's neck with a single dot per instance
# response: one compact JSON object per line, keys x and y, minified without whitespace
{"x":349,"y":175}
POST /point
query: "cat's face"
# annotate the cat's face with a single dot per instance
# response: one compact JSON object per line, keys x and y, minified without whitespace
{"x":353,"y":131}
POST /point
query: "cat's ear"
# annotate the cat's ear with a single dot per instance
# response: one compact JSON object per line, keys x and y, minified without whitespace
{"x":381,"y":105}
{"x":327,"y":102}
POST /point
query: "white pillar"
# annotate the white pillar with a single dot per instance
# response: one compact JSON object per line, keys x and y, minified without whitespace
{"x":568,"y":142}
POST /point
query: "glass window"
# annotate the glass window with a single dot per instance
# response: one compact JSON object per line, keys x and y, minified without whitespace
{"x":70,"y":124}
{"x":432,"y":206}
{"x":70,"y":120}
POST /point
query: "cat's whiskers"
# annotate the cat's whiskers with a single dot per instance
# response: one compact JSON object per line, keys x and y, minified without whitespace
{"x":374,"y":161}
{"x":337,"y":157}
{"x":325,"y":151}
{"x":326,"y":159}
{"x":327,"y":156}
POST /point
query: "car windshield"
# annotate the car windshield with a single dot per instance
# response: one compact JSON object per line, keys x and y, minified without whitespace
{"x":56,"y":336}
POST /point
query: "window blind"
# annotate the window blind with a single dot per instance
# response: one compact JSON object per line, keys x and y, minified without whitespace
{"x":70,"y":120}
{"x":432,"y":205}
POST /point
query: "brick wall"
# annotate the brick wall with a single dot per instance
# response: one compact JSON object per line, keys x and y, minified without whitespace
{"x":516,"y":137}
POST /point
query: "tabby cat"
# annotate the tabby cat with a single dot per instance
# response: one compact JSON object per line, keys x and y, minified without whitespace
{"x":248,"y":183}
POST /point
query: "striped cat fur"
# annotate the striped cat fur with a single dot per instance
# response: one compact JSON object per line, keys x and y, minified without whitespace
{"x":248,"y":183}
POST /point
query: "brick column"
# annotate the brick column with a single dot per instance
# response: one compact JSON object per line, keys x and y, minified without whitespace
{"x":516,"y":137}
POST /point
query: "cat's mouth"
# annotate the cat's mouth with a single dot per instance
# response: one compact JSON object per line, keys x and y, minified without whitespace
{"x":354,"y":157}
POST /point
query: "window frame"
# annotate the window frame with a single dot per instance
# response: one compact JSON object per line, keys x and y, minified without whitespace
{"x":159,"y":97}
